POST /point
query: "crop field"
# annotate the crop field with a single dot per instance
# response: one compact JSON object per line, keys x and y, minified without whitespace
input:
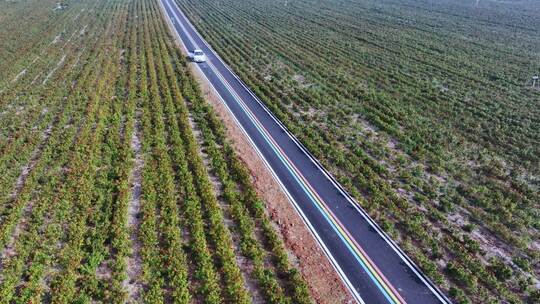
{"x":424,"y":110}
{"x":117,"y":183}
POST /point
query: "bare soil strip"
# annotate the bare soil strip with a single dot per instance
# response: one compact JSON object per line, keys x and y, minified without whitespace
{"x":60,"y":62}
{"x":134,"y":261}
{"x":19,"y":76}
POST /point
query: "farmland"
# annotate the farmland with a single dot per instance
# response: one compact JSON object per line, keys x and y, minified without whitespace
{"x":117,"y":182}
{"x":424,"y":111}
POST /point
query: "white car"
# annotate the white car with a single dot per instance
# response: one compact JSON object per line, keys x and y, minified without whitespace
{"x":199,"y":56}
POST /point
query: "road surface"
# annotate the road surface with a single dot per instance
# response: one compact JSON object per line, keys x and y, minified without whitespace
{"x":370,"y":264}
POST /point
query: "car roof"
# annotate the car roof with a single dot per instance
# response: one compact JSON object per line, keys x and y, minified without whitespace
{"x":197,"y":50}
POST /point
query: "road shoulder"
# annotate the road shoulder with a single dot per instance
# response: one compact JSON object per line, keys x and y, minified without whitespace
{"x":306,"y":255}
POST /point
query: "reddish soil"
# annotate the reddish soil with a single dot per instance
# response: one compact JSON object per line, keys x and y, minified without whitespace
{"x":134,"y":261}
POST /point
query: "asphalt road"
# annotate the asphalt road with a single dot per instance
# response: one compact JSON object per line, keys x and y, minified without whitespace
{"x":370,"y":264}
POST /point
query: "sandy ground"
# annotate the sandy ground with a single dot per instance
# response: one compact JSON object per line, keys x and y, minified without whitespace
{"x":134,"y":261}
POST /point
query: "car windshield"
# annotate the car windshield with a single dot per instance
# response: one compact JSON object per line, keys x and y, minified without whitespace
{"x":199,"y":53}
